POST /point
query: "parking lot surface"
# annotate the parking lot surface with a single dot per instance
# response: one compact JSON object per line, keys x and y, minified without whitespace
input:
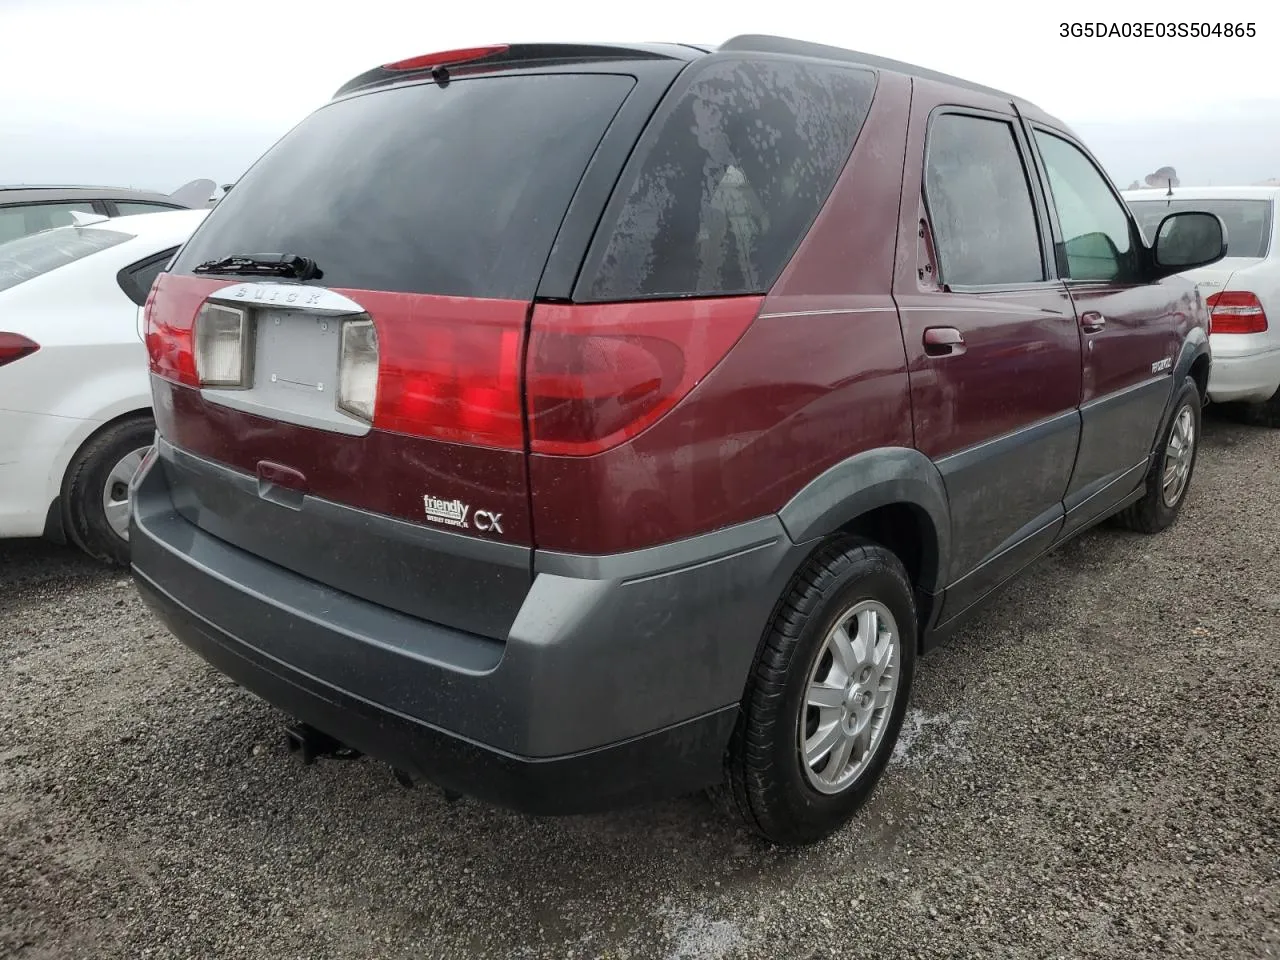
{"x":1089,"y":770}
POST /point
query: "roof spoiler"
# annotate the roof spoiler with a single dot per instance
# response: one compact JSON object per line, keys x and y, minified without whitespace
{"x":194,"y":194}
{"x":508,"y":56}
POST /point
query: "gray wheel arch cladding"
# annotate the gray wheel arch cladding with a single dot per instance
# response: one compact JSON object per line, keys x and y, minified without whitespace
{"x":886,"y":476}
{"x":1195,"y":346}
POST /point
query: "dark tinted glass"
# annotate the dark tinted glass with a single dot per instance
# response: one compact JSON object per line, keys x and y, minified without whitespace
{"x":1248,"y":222}
{"x":29,"y":257}
{"x":455,"y":190}
{"x":138,"y":279}
{"x":980,"y":203}
{"x":727,"y":180}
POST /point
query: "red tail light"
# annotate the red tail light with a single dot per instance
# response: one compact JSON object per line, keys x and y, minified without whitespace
{"x":449,"y":368}
{"x":169,"y":328}
{"x":1236,"y":311}
{"x":447,"y":58}
{"x":600,"y":374}
{"x":14,"y":346}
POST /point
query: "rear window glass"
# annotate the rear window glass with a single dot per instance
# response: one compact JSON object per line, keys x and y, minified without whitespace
{"x":728,"y":179}
{"x":1248,"y":222}
{"x":456,"y":190}
{"x":29,"y":257}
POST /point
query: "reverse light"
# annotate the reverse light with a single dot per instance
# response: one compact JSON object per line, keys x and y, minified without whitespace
{"x":1236,"y":311}
{"x":601,"y":373}
{"x":358,"y":369}
{"x":447,"y":58}
{"x":224,"y":353}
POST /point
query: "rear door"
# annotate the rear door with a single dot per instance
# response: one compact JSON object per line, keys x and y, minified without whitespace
{"x":1132,"y":329}
{"x":377,"y":441}
{"x":992,"y":346}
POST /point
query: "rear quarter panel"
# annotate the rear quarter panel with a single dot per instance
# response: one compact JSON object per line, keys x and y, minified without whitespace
{"x":818,"y":377}
{"x":90,"y":368}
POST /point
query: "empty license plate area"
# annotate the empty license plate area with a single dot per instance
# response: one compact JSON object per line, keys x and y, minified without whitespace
{"x":295,"y":371}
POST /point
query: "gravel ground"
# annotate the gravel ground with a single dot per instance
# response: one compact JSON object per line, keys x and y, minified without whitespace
{"x":1091,"y":770}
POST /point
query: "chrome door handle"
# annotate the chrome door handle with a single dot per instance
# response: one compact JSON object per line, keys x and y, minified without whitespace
{"x":943,"y":342}
{"x":1092,"y":322}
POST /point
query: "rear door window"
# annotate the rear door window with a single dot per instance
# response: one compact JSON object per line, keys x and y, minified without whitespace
{"x":456,"y":190}
{"x":23,"y":219}
{"x":727,"y":179}
{"x":979,"y":200}
{"x":29,"y":257}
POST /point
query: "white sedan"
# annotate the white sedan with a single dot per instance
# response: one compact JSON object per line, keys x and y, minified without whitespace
{"x":75,"y":398}
{"x":1242,"y":290}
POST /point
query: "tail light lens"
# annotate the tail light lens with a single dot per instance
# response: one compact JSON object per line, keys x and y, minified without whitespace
{"x":169,"y":335}
{"x":449,"y":368}
{"x":600,"y":374}
{"x":358,"y":369}
{"x":224,"y":351}
{"x":1236,"y":311}
{"x":14,"y":346}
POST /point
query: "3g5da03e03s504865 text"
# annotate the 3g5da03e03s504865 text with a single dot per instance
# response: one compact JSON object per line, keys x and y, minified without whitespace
{"x":1098,"y":30}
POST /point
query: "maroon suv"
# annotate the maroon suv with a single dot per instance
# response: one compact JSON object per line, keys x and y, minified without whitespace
{"x":570,"y":426}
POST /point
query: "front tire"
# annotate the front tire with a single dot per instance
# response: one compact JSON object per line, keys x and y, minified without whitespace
{"x":827,"y":695}
{"x":96,"y":488}
{"x":1170,"y":476}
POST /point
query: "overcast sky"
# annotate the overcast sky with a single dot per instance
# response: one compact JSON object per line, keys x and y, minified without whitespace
{"x":153,"y":93}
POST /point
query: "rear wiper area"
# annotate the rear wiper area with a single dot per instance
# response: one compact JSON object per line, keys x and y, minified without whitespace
{"x":264,"y":265}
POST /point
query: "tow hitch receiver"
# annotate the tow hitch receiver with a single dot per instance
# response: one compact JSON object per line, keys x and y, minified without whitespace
{"x":310,"y":743}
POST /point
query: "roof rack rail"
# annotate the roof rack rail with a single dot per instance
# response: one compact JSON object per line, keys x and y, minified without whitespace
{"x":760,"y":43}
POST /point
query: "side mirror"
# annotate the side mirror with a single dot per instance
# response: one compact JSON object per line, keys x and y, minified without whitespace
{"x":1188,"y":239}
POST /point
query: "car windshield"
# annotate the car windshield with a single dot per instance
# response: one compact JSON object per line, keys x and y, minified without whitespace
{"x":1248,"y":222}
{"x":32,"y":256}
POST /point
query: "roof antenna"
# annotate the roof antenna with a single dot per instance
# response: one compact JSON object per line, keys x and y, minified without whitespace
{"x":1170,"y":193}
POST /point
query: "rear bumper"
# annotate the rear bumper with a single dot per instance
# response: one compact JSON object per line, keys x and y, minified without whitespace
{"x":30,"y":449}
{"x":618,"y":682}
{"x":678,"y":759}
{"x":1244,"y":378}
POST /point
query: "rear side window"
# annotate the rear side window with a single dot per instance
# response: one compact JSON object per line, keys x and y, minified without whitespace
{"x":127,"y":208}
{"x":23,"y":219}
{"x":727,"y":180}
{"x":29,"y":257}
{"x":980,"y":203}
{"x":1248,"y":222}
{"x":137,"y":279}
{"x":456,"y":190}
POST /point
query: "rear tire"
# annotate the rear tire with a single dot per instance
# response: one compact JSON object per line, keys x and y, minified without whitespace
{"x":1169,"y":478}
{"x":1265,"y":414}
{"x":809,"y":688}
{"x":95,"y":490}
